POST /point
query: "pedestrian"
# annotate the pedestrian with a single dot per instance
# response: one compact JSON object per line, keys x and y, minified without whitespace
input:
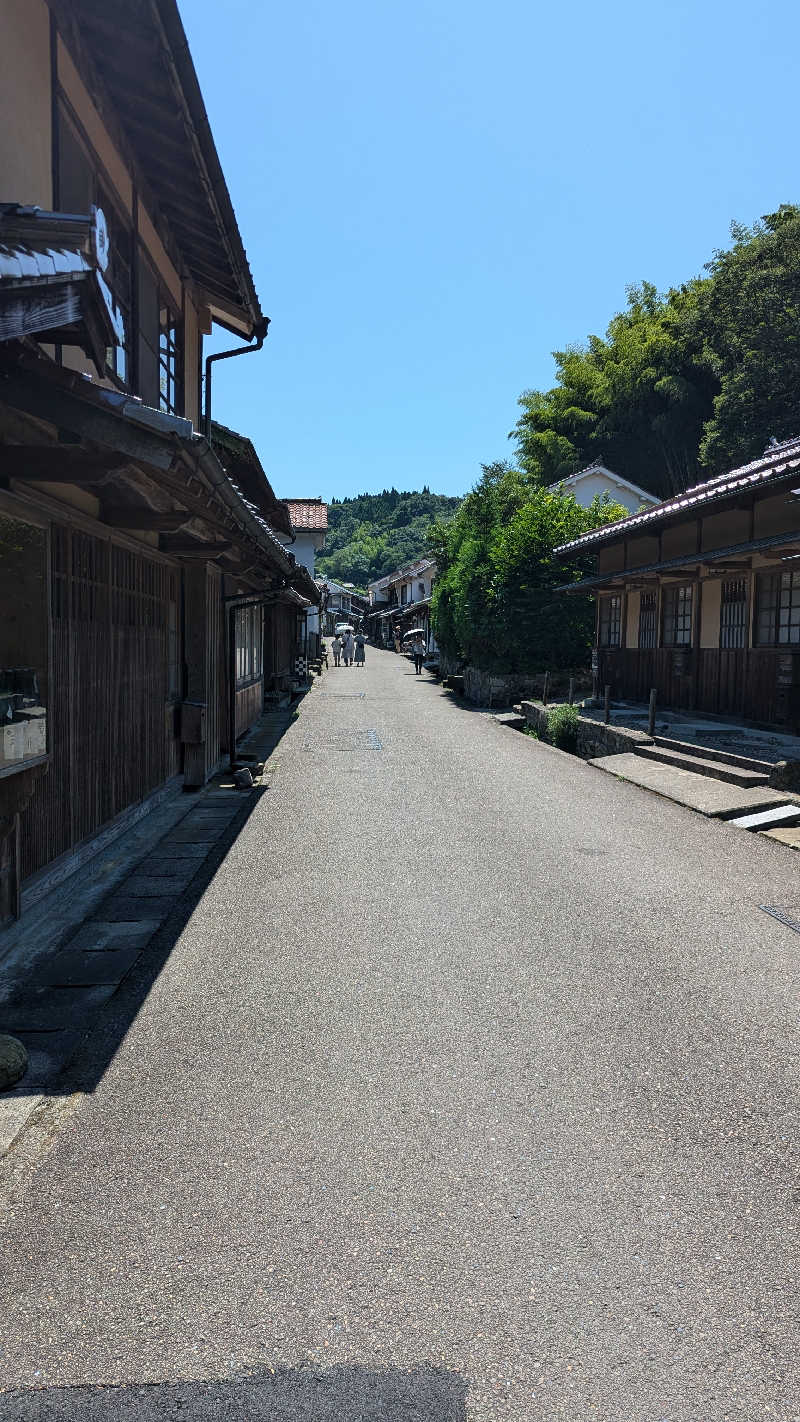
{"x":337,"y":649}
{"x":348,"y":648}
{"x":360,"y":653}
{"x":418,"y":653}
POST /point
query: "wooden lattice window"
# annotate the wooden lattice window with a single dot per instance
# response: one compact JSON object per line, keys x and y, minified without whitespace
{"x":777,"y":621}
{"x":733,"y":613}
{"x":648,"y":619}
{"x":249,"y":644}
{"x":610,"y":621}
{"x":677,"y":602}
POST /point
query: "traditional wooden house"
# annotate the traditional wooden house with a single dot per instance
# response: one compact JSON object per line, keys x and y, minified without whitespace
{"x":400,"y":602}
{"x":147,"y":604}
{"x":699,"y":596}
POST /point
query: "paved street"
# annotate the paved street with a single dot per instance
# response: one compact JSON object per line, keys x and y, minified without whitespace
{"x":469,"y":1091}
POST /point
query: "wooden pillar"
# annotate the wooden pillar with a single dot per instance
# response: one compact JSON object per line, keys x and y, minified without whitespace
{"x":200,"y":680}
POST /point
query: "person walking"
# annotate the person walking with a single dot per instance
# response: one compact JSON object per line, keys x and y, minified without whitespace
{"x":360,"y":649}
{"x":337,"y":649}
{"x":418,"y":652}
{"x":348,"y":648}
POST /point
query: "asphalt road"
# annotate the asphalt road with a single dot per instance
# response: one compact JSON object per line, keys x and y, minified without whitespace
{"x":469,"y":1091}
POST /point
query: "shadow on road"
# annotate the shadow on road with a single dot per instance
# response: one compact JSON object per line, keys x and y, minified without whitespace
{"x":339,"y":1394}
{"x":73,"y":1009}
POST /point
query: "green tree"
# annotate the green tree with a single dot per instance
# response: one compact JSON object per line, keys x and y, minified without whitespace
{"x":494,"y":603}
{"x":638,"y":398}
{"x":750,"y":319}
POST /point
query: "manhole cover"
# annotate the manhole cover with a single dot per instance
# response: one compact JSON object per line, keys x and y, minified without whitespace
{"x":790,"y":916}
{"x":344,"y":741}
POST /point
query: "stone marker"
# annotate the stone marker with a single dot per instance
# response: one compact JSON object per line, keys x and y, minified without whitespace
{"x":13,"y":1061}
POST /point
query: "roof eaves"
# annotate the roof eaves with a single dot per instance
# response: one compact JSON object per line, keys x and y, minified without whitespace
{"x":758,"y":472}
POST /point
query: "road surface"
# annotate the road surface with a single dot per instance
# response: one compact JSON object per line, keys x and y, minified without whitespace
{"x":469,"y":1091}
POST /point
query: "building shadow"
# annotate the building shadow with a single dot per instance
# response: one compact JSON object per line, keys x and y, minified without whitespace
{"x":72,"y":1026}
{"x":343,"y":1393}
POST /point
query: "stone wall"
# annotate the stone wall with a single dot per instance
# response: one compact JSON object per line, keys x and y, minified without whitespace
{"x":594,"y":737}
{"x":496,"y":689}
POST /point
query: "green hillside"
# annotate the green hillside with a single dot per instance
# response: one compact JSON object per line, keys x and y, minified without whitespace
{"x":375,"y":533}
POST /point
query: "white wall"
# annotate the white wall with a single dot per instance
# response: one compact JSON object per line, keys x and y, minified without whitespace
{"x":587,"y":487}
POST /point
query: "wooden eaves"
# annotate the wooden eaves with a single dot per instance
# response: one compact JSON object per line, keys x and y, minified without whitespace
{"x":121,"y":440}
{"x":710,"y":558}
{"x":136,"y":63}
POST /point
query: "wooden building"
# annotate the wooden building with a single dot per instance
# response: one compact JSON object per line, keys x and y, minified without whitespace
{"x":699,"y":596}
{"x":148,"y":607}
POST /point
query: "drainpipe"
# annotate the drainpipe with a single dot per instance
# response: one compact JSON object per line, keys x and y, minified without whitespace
{"x":260,"y":334}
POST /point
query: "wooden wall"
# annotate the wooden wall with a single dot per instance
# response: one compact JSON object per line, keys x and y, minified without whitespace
{"x":113,"y":733}
{"x":725,"y":682}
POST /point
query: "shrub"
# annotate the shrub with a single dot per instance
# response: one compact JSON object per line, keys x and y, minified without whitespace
{"x":562,"y":728}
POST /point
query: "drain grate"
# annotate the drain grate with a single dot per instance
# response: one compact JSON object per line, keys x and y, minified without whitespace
{"x":789,"y":916}
{"x":342,"y":695}
{"x":344,"y":741}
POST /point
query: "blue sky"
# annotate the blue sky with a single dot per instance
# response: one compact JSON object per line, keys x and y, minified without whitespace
{"x":435,"y":196}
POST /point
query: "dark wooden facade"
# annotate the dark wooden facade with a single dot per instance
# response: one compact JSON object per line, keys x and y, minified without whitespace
{"x":698,"y":598}
{"x":751,"y":683}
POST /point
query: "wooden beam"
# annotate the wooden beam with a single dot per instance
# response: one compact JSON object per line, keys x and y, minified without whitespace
{"x":58,"y":463}
{"x":191,"y":547}
{"x":146,"y":519}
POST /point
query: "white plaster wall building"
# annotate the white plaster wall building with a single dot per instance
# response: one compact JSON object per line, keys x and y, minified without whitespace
{"x":401,"y":600}
{"x":309,"y":520}
{"x":597,"y":479}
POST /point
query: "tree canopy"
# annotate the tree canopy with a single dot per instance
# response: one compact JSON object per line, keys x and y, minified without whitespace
{"x":373,"y":534}
{"x":684,"y":385}
{"x":493,"y":603}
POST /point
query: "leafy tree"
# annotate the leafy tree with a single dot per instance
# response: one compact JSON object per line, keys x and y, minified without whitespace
{"x":373,"y":534}
{"x":493,"y":603}
{"x":749,"y":317}
{"x":638,"y":399}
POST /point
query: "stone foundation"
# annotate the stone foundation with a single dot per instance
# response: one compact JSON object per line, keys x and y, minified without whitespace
{"x":594,"y":737}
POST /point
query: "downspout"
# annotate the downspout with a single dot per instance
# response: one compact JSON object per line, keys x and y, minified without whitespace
{"x":260,"y":334}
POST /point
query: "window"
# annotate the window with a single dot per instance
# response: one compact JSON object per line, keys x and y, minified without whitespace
{"x":777,"y":609}
{"x":169,"y":360}
{"x":160,"y":375}
{"x":404,"y":593}
{"x":79,"y":189}
{"x":249,"y":644}
{"x":677,"y":615}
{"x":648,"y":619}
{"x":733,"y":613}
{"x":420,"y":590}
{"x":610,"y":621}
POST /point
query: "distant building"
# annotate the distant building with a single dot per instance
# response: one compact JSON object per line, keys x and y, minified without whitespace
{"x":401,"y":601}
{"x":341,"y":603}
{"x":309,"y":523}
{"x":597,"y":479}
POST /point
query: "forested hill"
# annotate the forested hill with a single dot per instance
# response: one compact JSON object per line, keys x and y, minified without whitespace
{"x":375,"y":533}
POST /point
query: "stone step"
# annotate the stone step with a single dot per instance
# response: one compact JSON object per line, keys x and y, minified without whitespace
{"x":743,"y":762}
{"x":778,"y":816}
{"x":789,"y":836}
{"x":700,"y":764}
{"x":697,"y":792}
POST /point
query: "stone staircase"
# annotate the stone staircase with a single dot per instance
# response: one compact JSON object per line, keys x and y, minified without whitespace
{"x":715,"y":783}
{"x":699,"y":760}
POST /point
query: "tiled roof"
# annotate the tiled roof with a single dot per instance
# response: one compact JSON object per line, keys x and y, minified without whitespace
{"x":779,"y":461}
{"x":407,"y":570}
{"x":307,"y":513}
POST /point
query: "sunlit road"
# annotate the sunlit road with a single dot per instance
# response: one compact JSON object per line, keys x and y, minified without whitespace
{"x":468,"y":1092}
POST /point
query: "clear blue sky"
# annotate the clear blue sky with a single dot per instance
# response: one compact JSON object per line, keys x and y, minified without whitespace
{"x":435,"y":196}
